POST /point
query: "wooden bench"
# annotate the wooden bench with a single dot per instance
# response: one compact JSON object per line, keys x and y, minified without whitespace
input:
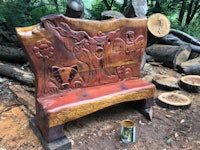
{"x":82,"y":66}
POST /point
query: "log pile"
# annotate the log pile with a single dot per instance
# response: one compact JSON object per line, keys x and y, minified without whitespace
{"x":174,"y":48}
{"x":177,"y":50}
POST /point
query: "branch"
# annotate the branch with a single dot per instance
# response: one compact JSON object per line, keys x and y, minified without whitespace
{"x":107,"y":5}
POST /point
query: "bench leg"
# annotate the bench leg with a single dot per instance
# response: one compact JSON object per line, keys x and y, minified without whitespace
{"x":58,"y":144}
{"x":145,"y":107}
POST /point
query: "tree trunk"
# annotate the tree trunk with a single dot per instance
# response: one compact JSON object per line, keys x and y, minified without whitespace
{"x":182,"y":12}
{"x":56,"y":5}
{"x":192,"y":10}
{"x":171,"y":56}
{"x":107,"y":5}
{"x":12,"y":71}
{"x":12,"y":54}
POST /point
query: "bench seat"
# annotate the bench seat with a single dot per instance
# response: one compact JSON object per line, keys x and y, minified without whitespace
{"x":77,"y":103}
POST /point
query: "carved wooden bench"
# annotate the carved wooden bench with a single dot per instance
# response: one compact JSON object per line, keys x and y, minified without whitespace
{"x":82,"y":66}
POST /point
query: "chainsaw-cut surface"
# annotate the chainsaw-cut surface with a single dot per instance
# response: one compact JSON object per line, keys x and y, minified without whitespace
{"x":190,"y":83}
{"x":165,"y":82}
{"x":174,"y":100}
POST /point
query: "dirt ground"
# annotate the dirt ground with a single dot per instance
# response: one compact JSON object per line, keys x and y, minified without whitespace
{"x":169,"y":130}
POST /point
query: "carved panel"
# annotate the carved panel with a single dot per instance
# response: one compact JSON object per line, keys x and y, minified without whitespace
{"x":82,"y":53}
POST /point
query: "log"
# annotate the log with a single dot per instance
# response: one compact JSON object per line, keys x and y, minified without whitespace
{"x":158,"y":26}
{"x":8,"y":35}
{"x":75,"y":9}
{"x":195,"y":70}
{"x":24,"y":97}
{"x":170,"y":39}
{"x":190,"y":67}
{"x":9,"y":70}
{"x":129,"y":11}
{"x":171,"y":56}
{"x":111,"y":14}
{"x":13,"y":54}
{"x":185,"y":37}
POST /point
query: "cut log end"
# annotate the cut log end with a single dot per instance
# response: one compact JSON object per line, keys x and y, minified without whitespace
{"x":165,"y":82}
{"x":173,"y":100}
{"x":158,"y":25}
{"x":171,"y":56}
{"x":182,"y":56}
{"x":190,"y":67}
{"x":190,"y":83}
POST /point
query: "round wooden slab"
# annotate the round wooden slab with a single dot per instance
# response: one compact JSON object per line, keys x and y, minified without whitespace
{"x":190,"y":83}
{"x":173,"y":100}
{"x":158,"y":24}
{"x":165,"y":82}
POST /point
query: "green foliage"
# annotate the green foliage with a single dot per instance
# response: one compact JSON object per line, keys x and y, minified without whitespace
{"x":98,"y":6}
{"x":10,"y":13}
{"x":15,"y":13}
{"x":192,"y":29}
{"x":96,"y":9}
{"x":172,"y":10}
{"x":24,"y":13}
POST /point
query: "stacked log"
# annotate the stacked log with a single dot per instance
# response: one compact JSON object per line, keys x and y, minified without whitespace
{"x":171,"y":56}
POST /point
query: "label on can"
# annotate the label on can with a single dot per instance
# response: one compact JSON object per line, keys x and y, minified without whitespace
{"x":128,"y":131}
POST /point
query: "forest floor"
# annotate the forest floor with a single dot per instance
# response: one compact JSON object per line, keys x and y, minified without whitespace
{"x":168,"y":130}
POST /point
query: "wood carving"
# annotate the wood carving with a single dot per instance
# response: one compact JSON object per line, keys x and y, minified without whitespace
{"x":82,"y":66}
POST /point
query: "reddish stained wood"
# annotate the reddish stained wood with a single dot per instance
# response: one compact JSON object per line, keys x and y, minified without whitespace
{"x":77,"y":96}
{"x":82,"y":66}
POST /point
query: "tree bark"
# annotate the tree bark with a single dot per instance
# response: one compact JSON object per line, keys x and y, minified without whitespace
{"x":192,"y":10}
{"x":13,"y":54}
{"x":170,"y":39}
{"x":24,"y":97}
{"x":12,"y":71}
{"x":190,"y":67}
{"x":185,"y":37}
{"x":182,"y":12}
{"x":107,"y":5}
{"x":171,"y":56}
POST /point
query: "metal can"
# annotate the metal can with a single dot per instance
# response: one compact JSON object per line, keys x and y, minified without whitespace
{"x":128,"y":131}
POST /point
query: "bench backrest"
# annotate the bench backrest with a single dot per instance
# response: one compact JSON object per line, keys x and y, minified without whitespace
{"x":67,"y":53}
